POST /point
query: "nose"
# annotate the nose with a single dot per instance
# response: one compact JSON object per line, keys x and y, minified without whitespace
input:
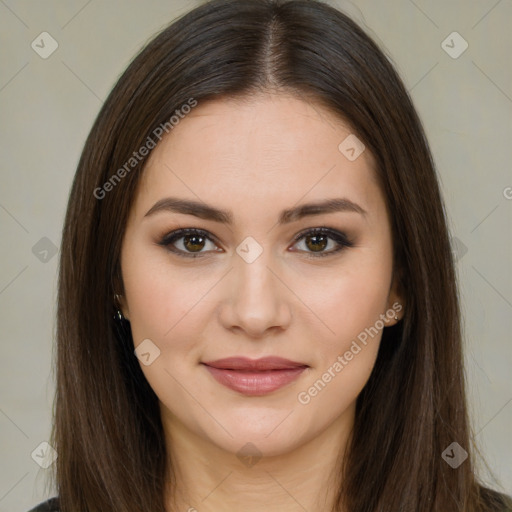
{"x":256,"y":301}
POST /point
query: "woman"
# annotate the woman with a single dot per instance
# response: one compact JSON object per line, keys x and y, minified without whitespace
{"x":257,"y":299}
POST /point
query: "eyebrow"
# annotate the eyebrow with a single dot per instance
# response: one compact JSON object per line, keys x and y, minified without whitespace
{"x":207,"y":212}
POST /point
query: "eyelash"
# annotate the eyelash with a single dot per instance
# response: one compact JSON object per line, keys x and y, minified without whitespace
{"x":340,"y":238}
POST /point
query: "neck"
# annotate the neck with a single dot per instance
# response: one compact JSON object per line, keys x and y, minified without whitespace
{"x":207,"y":478}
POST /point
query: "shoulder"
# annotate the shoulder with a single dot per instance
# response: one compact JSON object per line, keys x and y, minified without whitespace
{"x":51,"y":505}
{"x":507,"y":502}
{"x":496,"y":501}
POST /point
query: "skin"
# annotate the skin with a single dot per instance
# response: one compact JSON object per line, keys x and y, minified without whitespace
{"x":255,"y":158}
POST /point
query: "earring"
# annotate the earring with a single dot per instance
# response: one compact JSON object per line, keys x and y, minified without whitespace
{"x":118,"y":314}
{"x":122,"y":327}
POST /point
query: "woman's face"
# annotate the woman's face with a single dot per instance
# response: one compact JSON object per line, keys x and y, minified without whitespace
{"x":263,"y":284}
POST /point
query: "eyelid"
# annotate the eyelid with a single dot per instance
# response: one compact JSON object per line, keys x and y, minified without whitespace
{"x":175,"y":235}
{"x":323,"y":230}
{"x":339,"y":237}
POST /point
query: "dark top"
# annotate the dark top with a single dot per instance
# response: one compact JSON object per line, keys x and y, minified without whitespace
{"x":52,"y":505}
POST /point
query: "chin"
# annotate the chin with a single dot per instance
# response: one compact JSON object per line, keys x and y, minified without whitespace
{"x":262,"y":432}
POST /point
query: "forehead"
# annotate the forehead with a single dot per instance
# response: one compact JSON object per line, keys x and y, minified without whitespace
{"x":267,"y":148}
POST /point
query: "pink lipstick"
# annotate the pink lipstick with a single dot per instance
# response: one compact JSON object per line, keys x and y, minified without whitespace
{"x":254,"y":377}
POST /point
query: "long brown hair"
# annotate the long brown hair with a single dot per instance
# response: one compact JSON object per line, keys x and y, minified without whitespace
{"x":107,"y":429}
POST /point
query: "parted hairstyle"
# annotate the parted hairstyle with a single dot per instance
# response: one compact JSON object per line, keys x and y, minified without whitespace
{"x":107,"y":427}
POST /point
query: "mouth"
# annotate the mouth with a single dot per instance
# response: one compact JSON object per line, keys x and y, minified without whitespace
{"x":255,"y":377}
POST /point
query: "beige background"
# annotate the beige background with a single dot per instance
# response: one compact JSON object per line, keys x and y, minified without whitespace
{"x":47,"y":107}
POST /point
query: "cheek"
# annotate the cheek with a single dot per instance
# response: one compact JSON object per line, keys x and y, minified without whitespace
{"x":160,"y":296}
{"x":350,"y":304}
{"x":169,"y":306}
{"x":345,"y":359}
{"x":348,"y":300}
{"x":161,"y":309}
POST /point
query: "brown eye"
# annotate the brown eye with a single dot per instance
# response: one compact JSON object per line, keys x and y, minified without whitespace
{"x":189,"y":242}
{"x":193,"y":243}
{"x":317,"y":240}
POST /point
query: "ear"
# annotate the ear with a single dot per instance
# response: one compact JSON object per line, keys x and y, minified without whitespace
{"x":396,"y":300}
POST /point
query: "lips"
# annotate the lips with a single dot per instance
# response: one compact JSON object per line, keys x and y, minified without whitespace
{"x":245,"y":364}
{"x":254,"y":377}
